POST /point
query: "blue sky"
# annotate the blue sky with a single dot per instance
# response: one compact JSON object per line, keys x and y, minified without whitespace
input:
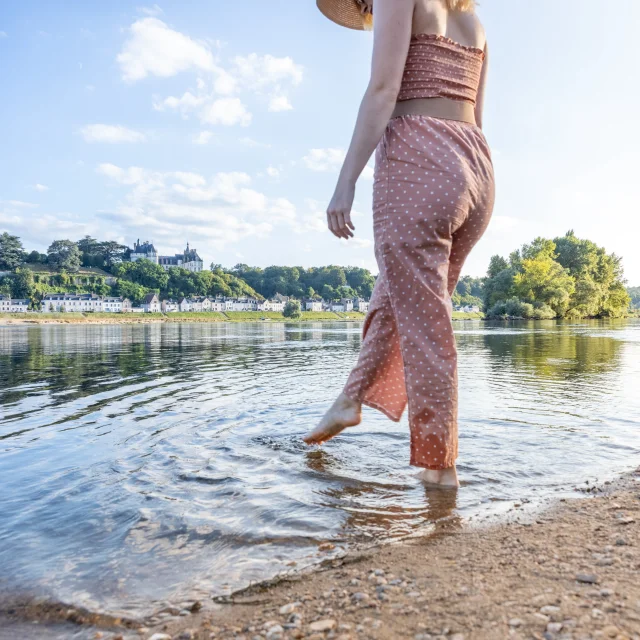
{"x":223,"y":124}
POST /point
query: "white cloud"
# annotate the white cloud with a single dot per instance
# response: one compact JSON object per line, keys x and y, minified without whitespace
{"x":359,"y":243}
{"x":226,"y":111}
{"x":19,"y":204}
{"x":41,"y":187}
{"x":262,"y":71}
{"x":253,"y":144}
{"x":367,"y":173}
{"x":313,"y":219}
{"x":324,"y":159}
{"x":110,"y":133}
{"x":280,"y":103}
{"x":155,"y":10}
{"x":204,"y":137}
{"x":273,"y":172}
{"x":132,"y":175}
{"x":220,"y":210}
{"x":185,"y":104}
{"x":153,"y":48}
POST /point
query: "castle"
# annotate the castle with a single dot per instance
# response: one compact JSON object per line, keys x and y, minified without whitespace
{"x":189,"y":260}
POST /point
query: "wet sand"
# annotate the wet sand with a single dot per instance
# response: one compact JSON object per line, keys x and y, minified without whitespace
{"x":569,"y":572}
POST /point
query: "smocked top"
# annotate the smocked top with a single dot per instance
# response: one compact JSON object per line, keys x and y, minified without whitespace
{"x":438,"y":67}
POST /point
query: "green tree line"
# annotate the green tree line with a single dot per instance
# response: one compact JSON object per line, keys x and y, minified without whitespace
{"x":562,"y":278}
{"x":329,"y":283}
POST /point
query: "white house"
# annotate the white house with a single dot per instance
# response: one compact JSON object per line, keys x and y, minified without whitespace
{"x":271,"y":305}
{"x":15,"y":305}
{"x":347,"y":303}
{"x":151,"y":303}
{"x":71,"y":303}
{"x":337,"y":307}
{"x":169,"y":306}
{"x":361,"y":305}
{"x":217,"y":305}
{"x":115,"y":305}
{"x":313,"y":305}
{"x":243,"y":304}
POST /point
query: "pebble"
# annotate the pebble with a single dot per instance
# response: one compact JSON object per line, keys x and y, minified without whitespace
{"x":587,"y":578}
{"x":322,"y":625}
{"x":515,"y":622}
{"x":554,"y":627}
{"x":457,"y":636}
{"x":360,"y":596}
{"x":160,"y":636}
{"x":326,"y":546}
{"x":286,"y":609}
{"x":274,"y":631}
{"x":184,"y":612}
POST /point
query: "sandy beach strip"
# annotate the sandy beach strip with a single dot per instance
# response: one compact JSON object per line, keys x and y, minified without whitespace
{"x":570,"y":572}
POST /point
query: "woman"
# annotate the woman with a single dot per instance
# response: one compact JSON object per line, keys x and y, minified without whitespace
{"x":432,"y":201}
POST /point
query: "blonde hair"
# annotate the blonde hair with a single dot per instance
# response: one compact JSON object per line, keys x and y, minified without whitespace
{"x":461,"y":5}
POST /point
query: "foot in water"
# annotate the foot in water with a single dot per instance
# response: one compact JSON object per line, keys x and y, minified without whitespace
{"x":344,"y":413}
{"x":442,"y":478}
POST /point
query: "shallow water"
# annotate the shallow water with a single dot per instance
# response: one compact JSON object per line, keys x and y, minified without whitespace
{"x":154,"y":463}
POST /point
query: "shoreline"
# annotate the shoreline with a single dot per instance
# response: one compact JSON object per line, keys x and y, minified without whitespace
{"x":186,"y":318}
{"x":566,"y":572}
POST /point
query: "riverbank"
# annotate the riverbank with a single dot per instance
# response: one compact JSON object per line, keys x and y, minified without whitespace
{"x":211,"y":317}
{"x":569,"y":572}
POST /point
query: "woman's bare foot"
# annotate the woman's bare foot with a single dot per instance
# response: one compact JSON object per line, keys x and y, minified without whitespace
{"x":443,"y":478}
{"x":344,"y":413}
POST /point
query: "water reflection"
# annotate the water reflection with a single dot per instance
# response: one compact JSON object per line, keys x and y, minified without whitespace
{"x":153,"y":462}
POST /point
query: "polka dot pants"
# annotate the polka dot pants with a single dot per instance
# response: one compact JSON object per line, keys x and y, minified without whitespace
{"x":433,"y":199}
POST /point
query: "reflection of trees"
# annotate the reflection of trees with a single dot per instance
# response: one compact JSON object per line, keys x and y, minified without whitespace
{"x":373,"y":513}
{"x":54,"y":364}
{"x":555,"y":350}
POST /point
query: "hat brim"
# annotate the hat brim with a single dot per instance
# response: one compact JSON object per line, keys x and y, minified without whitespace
{"x":346,"y":13}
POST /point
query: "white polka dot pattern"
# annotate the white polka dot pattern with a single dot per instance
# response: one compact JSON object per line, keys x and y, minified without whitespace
{"x":433,"y":199}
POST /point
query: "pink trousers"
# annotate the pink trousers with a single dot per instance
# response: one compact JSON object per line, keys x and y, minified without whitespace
{"x":433,"y":199}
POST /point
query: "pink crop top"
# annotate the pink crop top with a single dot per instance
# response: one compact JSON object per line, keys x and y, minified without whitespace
{"x":438,"y":67}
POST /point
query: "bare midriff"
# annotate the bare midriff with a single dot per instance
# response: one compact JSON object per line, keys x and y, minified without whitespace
{"x":443,"y":108}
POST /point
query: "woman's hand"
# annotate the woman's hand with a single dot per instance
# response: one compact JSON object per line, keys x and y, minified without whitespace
{"x":339,"y":211}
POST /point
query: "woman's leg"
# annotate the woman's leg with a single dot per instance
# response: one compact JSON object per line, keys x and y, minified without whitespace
{"x":377,"y":380}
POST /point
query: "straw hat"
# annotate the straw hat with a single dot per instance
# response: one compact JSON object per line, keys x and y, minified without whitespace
{"x":346,"y":13}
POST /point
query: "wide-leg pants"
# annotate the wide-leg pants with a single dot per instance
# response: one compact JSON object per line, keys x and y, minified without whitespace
{"x":433,"y":199}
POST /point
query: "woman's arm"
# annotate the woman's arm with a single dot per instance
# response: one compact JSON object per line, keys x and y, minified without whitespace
{"x":482,"y":87}
{"x":392,"y":36}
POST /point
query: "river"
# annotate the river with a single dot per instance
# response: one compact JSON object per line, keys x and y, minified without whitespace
{"x":148,"y":464}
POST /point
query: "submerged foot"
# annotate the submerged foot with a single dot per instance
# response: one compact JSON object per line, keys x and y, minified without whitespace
{"x":344,"y":413}
{"x":443,"y":478}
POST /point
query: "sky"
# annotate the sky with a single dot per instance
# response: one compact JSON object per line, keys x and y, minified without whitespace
{"x":223,"y":124}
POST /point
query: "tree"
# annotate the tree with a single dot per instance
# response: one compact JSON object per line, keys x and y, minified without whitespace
{"x":496,"y":265}
{"x":112,"y":252}
{"x":144,"y":272}
{"x":11,"y":252}
{"x":292,"y":310}
{"x":23,"y":284}
{"x":64,"y":254}
{"x":135,"y":292}
{"x":35,"y":257}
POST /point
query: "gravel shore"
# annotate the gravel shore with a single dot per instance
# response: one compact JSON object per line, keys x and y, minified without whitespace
{"x":571,"y":572}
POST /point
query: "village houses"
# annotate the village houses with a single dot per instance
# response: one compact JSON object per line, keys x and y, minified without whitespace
{"x":83,"y":303}
{"x":13,"y":305}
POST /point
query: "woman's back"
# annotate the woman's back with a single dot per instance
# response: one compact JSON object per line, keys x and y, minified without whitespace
{"x":464,"y":27}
